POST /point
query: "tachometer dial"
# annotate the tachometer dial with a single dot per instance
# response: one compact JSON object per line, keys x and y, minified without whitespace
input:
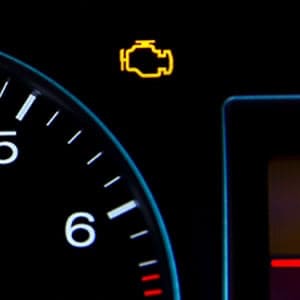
{"x":78,"y":220}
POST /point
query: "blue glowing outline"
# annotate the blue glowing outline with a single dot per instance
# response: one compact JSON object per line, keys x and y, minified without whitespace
{"x":131,"y":164}
{"x":225,"y":214}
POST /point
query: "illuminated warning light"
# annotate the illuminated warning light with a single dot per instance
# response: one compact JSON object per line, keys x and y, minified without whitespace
{"x":147,"y":44}
{"x":285,"y":263}
{"x":153,"y":292}
{"x":151,"y":277}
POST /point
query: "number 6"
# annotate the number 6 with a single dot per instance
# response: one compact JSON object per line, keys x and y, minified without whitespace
{"x":70,"y":229}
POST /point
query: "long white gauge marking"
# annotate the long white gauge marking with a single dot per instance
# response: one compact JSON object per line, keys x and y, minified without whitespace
{"x":138,"y":234}
{"x":120,"y":210}
{"x":8,"y":133}
{"x":147,"y":263}
{"x":94,"y":158}
{"x":74,"y":137}
{"x":111,"y":182}
{"x":52,"y":118}
{"x":4,"y":88}
{"x":25,"y":107}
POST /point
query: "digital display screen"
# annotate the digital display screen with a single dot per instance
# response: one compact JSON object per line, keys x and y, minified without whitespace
{"x":284,"y":224}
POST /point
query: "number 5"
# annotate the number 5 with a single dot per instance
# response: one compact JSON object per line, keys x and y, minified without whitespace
{"x":9,"y":145}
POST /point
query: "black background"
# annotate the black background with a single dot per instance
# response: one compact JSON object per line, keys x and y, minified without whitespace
{"x":172,"y":126}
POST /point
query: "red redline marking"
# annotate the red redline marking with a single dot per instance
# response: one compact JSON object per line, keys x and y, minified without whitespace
{"x":285,"y":263}
{"x":153,"y":292}
{"x":150,"y":277}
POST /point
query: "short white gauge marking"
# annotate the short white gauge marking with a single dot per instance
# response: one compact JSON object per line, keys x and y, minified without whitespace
{"x":26,"y":106}
{"x":8,"y":133}
{"x":74,"y":137}
{"x":95,"y":157}
{"x":111,"y":182}
{"x":52,"y":118}
{"x":138,"y":234}
{"x":122,"y":209}
{"x":148,"y":263}
{"x":4,"y":88}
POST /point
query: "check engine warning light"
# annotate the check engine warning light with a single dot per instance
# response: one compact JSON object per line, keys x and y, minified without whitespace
{"x":145,"y":60}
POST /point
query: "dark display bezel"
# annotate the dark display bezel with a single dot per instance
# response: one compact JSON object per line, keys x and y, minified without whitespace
{"x":255,"y":130}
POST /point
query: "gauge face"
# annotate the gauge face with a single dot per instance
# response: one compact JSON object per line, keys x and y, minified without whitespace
{"x":78,"y":220}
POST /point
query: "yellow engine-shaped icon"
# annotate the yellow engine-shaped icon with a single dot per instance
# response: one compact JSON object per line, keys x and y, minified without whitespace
{"x":125,"y":59}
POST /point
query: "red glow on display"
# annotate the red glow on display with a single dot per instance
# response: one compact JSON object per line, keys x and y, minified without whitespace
{"x":285,"y":263}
